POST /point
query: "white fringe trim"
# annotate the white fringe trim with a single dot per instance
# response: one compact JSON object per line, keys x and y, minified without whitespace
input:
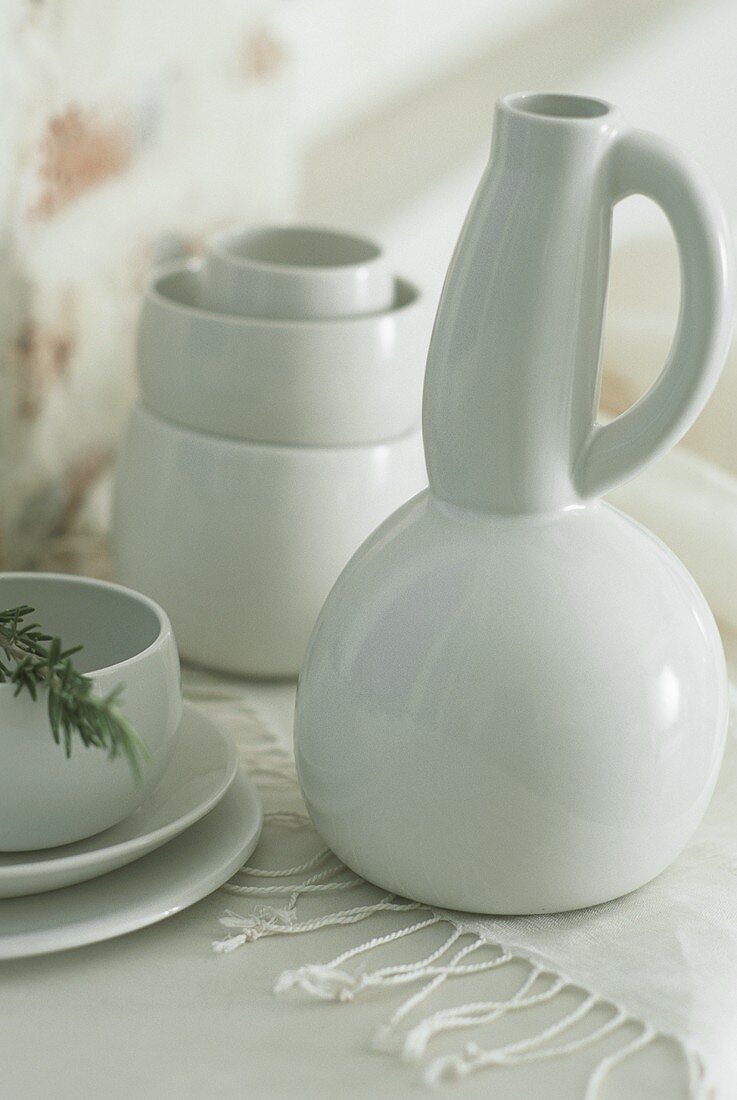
{"x":335,"y":980}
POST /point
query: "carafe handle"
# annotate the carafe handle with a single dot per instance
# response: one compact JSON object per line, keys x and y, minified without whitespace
{"x":640,"y":163}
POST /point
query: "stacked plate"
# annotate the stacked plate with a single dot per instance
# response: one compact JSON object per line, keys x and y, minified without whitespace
{"x":194,"y":831}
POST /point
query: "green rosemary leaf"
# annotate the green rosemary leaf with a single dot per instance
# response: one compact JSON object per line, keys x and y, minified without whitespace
{"x":54,"y":714}
{"x":15,"y":613}
{"x":67,"y":732}
{"x":73,"y":709}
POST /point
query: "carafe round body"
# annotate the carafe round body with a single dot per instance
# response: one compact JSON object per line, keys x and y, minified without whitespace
{"x":511,"y":714}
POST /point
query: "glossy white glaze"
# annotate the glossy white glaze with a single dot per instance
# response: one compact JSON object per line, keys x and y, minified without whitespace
{"x":511,"y":714}
{"x":203,"y":766}
{"x":146,"y":891}
{"x":242,"y":542}
{"x":296,"y":271}
{"x":515,"y":699}
{"x":512,"y":377}
{"x":344,"y":381}
{"x":45,"y":799}
{"x":281,"y":385}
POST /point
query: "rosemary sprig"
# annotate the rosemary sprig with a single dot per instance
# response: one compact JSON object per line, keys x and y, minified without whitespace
{"x":36,"y":660}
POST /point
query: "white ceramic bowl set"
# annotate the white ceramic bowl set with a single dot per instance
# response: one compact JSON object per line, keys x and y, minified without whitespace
{"x":87,"y":850}
{"x":278,"y":425}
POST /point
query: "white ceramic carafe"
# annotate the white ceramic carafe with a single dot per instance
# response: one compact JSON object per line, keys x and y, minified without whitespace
{"x":515,"y":697}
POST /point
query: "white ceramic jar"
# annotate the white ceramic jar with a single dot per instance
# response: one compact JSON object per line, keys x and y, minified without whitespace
{"x":264,"y":451}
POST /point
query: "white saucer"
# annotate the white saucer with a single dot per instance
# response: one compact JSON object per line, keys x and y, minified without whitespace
{"x":144,"y":892}
{"x":202,"y":768}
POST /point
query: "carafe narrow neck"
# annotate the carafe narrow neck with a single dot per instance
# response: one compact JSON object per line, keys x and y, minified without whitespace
{"x":513,"y":366}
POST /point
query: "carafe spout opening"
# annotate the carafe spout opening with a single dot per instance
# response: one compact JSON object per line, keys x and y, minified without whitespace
{"x":554,"y":106}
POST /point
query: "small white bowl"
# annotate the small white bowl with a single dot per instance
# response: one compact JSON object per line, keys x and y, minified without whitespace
{"x":294,"y":272}
{"x":318,"y":383}
{"x":46,"y":799}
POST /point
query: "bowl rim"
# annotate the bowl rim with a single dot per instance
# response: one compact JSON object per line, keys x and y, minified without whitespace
{"x":220,"y":245}
{"x":238,"y":445}
{"x":165,"y":628}
{"x":154,"y":295}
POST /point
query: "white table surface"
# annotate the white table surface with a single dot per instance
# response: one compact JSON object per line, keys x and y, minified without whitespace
{"x":156,"y":1014}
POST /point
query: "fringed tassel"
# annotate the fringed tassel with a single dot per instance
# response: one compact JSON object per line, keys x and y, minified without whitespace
{"x":271,"y":922}
{"x":386,"y":1038}
{"x":322,"y":882}
{"x":527,"y":1050}
{"x":265,"y":921}
{"x":607,"y":1064}
{"x":328,"y":981}
{"x":287,"y":872}
{"x":473,"y":1015}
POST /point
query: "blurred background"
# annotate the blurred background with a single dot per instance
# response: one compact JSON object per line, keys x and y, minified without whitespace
{"x":131,"y":130}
